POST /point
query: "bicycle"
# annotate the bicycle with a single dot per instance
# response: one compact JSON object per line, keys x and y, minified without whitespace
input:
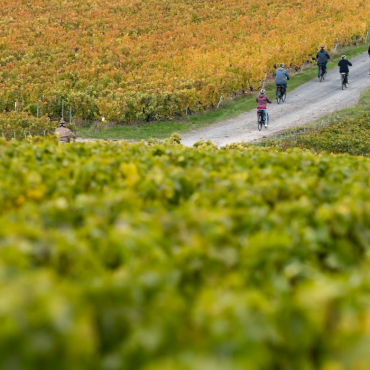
{"x":261,"y":119}
{"x":322,"y":72}
{"x":344,"y":80}
{"x":280,"y":93}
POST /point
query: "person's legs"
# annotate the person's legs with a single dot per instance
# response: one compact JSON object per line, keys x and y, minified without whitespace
{"x":285,"y":88}
{"x":265,"y":117}
{"x":263,"y":114}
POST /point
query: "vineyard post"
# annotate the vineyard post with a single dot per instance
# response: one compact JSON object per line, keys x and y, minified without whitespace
{"x":15,"y":106}
{"x":221,"y":98}
{"x":62,"y":109}
{"x":336,"y":45}
{"x":70,"y":114}
{"x":103,"y":117}
{"x":263,"y":84}
{"x":37,"y":109}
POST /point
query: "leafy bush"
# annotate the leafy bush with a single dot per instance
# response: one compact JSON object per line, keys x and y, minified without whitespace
{"x":19,"y":125}
{"x":350,"y":135}
{"x":118,"y":256}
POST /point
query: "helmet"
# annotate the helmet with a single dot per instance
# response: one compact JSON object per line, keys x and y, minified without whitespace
{"x":281,"y":64}
{"x":262,"y":91}
{"x":62,"y":122}
{"x":322,"y":46}
{"x":343,"y":57}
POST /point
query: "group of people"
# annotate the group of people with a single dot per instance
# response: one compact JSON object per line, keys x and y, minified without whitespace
{"x":281,"y":76}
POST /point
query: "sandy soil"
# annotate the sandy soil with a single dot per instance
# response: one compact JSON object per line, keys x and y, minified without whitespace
{"x":307,"y":103}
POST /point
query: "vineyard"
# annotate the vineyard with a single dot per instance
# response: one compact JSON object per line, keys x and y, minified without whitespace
{"x":145,"y":60}
{"x":348,"y":135}
{"x":156,"y":256}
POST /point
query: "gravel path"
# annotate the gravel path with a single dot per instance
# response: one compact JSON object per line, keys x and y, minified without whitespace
{"x":305,"y":104}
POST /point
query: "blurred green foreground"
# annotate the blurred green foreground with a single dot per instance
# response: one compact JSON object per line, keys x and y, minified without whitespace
{"x":160,"y":257}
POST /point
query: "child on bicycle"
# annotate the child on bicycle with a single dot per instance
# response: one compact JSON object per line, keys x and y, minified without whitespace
{"x":262,"y":100}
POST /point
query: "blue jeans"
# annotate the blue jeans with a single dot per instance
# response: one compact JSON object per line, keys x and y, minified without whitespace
{"x":264,"y":115}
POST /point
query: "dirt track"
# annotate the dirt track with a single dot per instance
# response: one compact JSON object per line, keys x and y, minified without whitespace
{"x":307,"y":103}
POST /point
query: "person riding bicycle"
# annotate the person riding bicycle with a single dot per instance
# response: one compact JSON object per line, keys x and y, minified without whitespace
{"x":262,"y":100}
{"x":343,"y":66}
{"x":322,"y":58}
{"x":64,"y":133}
{"x":281,"y":76}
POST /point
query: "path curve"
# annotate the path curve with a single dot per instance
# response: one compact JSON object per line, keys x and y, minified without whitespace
{"x":308,"y":102}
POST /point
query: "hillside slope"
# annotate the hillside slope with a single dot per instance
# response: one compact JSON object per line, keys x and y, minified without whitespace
{"x":141,"y":60}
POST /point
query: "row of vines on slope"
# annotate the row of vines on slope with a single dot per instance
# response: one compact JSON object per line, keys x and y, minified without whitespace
{"x":151,"y":59}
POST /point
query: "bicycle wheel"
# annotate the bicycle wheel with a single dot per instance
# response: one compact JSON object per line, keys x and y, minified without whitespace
{"x":267,"y":119}
{"x":284,"y":97}
{"x":278,"y":98}
{"x":259,"y":123}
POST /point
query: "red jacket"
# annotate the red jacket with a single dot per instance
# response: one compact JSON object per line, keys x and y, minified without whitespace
{"x":261,"y":100}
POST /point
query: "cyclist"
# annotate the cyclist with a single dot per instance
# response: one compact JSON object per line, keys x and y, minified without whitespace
{"x":322,"y":58}
{"x":64,"y":133}
{"x":281,"y":75}
{"x":261,"y":100}
{"x":343,"y":66}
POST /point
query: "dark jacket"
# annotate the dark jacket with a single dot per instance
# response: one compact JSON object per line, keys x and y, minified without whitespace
{"x":281,"y":75}
{"x":343,"y":65}
{"x":369,"y":51}
{"x":322,"y":57}
{"x":261,"y":100}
